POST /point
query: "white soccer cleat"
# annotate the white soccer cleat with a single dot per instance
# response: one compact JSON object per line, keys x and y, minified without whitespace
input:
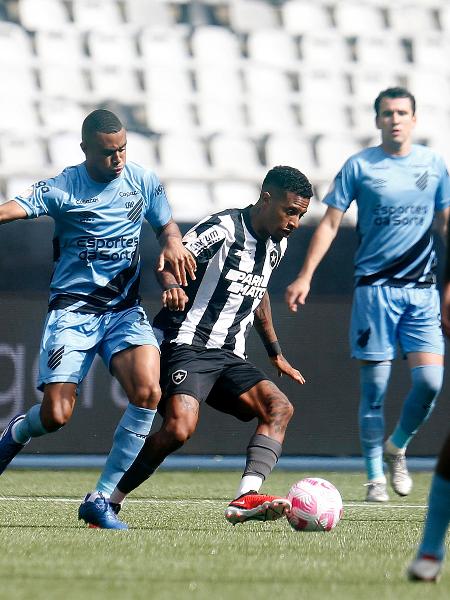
{"x":376,"y":492}
{"x":401,"y":482}
{"x":425,"y":568}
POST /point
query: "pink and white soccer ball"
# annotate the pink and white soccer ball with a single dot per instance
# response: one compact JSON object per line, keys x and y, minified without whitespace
{"x":316,"y":505}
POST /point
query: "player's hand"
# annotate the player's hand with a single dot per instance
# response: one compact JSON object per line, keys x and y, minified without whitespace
{"x":180,"y":259}
{"x":445,"y":310}
{"x":174,"y":299}
{"x":297,"y":292}
{"x":285,"y":368}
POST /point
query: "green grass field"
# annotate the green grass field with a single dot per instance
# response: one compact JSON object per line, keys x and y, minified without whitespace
{"x":180,"y":546}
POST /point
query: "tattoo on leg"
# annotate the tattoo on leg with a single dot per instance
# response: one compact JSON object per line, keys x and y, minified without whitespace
{"x":189,"y":404}
{"x":277,"y":408}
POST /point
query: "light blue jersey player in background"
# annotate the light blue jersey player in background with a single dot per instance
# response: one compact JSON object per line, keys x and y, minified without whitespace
{"x":94,"y":307}
{"x":398,"y":187}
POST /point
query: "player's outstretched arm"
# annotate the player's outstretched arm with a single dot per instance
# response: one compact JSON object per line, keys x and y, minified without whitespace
{"x":173,"y":296}
{"x":322,"y":239}
{"x":11,"y":211}
{"x":266,"y":331}
{"x":174,"y":253}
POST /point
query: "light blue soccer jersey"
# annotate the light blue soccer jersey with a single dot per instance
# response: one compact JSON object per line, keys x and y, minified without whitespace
{"x":396,"y":198}
{"x":97,"y":230}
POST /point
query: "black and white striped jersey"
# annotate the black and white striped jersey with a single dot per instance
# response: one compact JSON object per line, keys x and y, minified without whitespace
{"x":233,"y":271}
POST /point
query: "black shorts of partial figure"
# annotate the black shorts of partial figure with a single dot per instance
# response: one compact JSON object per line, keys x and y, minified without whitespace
{"x":215,"y":376}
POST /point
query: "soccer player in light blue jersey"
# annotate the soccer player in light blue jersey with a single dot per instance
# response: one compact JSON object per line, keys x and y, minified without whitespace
{"x":94,"y":306}
{"x":399,"y":187}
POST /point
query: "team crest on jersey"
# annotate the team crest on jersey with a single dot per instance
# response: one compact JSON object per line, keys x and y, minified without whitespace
{"x":179,"y":376}
{"x":135,"y":213}
{"x":273,"y":258}
{"x":422,"y":180}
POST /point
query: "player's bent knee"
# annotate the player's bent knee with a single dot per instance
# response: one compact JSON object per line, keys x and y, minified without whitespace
{"x":180,"y":431}
{"x":146,"y":396}
{"x":280,"y":410}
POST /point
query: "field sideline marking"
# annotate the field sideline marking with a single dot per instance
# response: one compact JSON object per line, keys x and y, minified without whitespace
{"x":369,"y":505}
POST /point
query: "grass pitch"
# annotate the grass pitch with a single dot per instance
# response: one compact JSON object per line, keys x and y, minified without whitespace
{"x":180,"y":545}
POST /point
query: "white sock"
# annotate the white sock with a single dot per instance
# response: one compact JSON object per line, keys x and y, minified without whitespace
{"x":392,"y":448}
{"x":117,"y":497}
{"x":249,"y":483}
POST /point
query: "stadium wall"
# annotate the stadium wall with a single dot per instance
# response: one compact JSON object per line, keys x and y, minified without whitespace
{"x":314,"y":340}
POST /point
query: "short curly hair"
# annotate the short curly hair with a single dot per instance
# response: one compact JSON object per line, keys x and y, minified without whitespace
{"x":100,"y":120}
{"x":288,"y":179}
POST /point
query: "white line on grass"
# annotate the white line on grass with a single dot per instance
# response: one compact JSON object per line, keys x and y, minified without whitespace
{"x":370,"y":505}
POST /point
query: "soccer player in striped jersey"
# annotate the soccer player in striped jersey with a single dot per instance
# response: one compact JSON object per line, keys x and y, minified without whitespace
{"x":98,"y":208}
{"x":399,"y":187}
{"x":427,"y":564}
{"x":205,"y":326}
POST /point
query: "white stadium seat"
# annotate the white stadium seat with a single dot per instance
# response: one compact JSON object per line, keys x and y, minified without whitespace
{"x":15,"y":45}
{"x":411,"y":18}
{"x":323,"y":116}
{"x":220,"y":116}
{"x":368,"y":83}
{"x":268,"y":115}
{"x":169,"y":114}
{"x":294,"y":151}
{"x":190,"y":201}
{"x":431,"y":51}
{"x":267,"y":82}
{"x":21,"y":154}
{"x":248,"y":15}
{"x":64,"y":149}
{"x":119,"y":83}
{"x":182,"y":156}
{"x":332,"y":151}
{"x":235,"y":156}
{"x":112,"y":48}
{"x":167,"y":82}
{"x":140,"y":149}
{"x":18,"y":79}
{"x":68,"y":82}
{"x":215,"y":45}
{"x":163,"y":46}
{"x":354,"y":18}
{"x":321,"y":82}
{"x":141,"y":13}
{"x":261,"y":45}
{"x":43,"y":15}
{"x":21,"y":114}
{"x":317,"y":48}
{"x":218,"y":84}
{"x":234,"y":194}
{"x":61,"y":114}
{"x":62,"y":47}
{"x":383,"y":51}
{"x":97,"y":14}
{"x":303,"y":17}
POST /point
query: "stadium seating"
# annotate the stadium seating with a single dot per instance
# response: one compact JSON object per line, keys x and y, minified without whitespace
{"x":245,"y":84}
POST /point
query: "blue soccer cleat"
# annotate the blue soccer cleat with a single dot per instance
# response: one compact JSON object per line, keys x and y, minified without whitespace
{"x":8,"y":447}
{"x":98,"y":513}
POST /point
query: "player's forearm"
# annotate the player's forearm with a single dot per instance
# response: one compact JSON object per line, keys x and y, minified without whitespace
{"x":320,"y":243}
{"x":11,"y":211}
{"x":264,"y":326}
{"x":168,"y":234}
{"x":166,"y":279}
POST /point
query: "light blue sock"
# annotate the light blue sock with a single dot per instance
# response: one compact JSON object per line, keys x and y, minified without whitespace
{"x":438,"y":518}
{"x":426,"y":385}
{"x":29,"y":427}
{"x":129,"y":437}
{"x":374,"y":379}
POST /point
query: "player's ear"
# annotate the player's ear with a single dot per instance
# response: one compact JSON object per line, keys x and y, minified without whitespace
{"x":265,"y":197}
{"x":83,"y":147}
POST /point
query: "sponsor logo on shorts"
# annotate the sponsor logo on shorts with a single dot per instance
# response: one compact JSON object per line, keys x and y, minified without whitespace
{"x":179,"y":376}
{"x":363,"y":337}
{"x":55,"y":357}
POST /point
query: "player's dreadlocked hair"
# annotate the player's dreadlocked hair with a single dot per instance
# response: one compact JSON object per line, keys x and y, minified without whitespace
{"x":100,"y":120}
{"x":394,"y":92}
{"x":288,"y":179}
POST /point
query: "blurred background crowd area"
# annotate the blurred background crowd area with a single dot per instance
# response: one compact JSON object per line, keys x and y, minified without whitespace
{"x":216,"y":92}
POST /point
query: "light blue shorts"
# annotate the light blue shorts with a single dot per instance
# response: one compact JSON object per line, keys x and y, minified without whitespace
{"x":384,"y":316}
{"x":71,"y":340}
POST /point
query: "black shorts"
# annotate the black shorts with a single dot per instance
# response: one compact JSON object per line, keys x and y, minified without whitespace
{"x":215,"y":376}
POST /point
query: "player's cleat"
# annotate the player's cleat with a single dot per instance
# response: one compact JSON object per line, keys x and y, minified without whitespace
{"x":256,"y":507}
{"x":424,"y":568}
{"x":97,"y":513}
{"x":8,"y":447}
{"x":376,"y":492}
{"x":401,"y":482}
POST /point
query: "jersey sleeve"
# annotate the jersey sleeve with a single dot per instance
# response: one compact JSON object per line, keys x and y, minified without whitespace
{"x":442,"y":199}
{"x":42,"y":198}
{"x":343,"y":189}
{"x":205,"y":239}
{"x":158,"y":211}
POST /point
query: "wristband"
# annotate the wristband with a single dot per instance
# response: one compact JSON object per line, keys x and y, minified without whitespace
{"x":273,"y":348}
{"x":172,"y":286}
